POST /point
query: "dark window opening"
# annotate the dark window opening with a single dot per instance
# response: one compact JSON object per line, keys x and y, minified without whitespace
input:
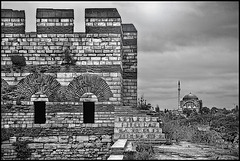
{"x":40,"y":112}
{"x":88,"y":112}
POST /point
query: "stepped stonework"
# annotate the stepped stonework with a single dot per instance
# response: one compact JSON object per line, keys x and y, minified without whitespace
{"x":61,"y":90}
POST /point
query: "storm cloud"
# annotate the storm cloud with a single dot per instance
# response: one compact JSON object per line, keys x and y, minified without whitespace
{"x":194,"y":42}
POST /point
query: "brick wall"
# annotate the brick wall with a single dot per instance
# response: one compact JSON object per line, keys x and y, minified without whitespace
{"x":103,"y":63}
{"x":67,"y":145}
{"x":103,"y":21}
{"x":63,"y":87}
{"x":56,"y":120}
{"x":55,"y":20}
{"x":129,"y":65}
{"x":47,"y":49}
{"x":12,"y":21}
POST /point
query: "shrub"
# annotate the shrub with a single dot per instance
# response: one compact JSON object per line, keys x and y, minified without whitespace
{"x":5,"y":134}
{"x":18,"y":60}
{"x":67,"y":57}
{"x":22,"y":149}
{"x":143,"y":152}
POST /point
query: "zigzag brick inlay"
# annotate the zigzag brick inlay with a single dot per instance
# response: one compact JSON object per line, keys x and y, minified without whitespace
{"x":4,"y":85}
{"x":36,"y":82}
{"x":90,"y":83}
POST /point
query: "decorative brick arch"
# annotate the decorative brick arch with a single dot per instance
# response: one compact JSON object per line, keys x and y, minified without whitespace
{"x":90,"y":83}
{"x":38,"y":82}
{"x":4,"y":85}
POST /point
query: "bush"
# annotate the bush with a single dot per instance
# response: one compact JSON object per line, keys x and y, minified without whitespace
{"x":5,"y":134}
{"x":67,"y":57}
{"x":22,"y":149}
{"x":143,"y":152}
{"x":207,"y":137}
{"x":18,"y":60}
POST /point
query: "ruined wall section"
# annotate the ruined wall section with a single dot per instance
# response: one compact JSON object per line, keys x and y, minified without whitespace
{"x":129,"y":64}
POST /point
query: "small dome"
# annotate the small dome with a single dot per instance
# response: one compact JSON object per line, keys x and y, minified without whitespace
{"x":190,"y":96}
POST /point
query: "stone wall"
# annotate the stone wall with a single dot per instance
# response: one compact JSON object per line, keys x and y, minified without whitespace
{"x":129,"y":65}
{"x":12,"y":21}
{"x":67,"y":145}
{"x":62,"y":68}
{"x":138,"y":128}
{"x":55,"y":20}
{"x":63,"y":86}
{"x":106,"y":43}
{"x":102,"y":20}
{"x":47,"y":49}
{"x":57,"y":119}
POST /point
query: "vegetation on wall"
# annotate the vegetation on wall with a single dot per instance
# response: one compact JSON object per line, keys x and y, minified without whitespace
{"x":18,"y":60}
{"x":143,"y":152}
{"x":142,"y":104}
{"x":22,"y":149}
{"x":67,"y":58}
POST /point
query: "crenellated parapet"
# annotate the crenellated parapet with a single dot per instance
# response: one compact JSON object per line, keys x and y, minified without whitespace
{"x":102,"y":20}
{"x":12,"y":21}
{"x":106,"y":46}
{"x":55,"y":21}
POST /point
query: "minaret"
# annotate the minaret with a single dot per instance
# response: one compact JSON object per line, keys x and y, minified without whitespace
{"x":179,"y":95}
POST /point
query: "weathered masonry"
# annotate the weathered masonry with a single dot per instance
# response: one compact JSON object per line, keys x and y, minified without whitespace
{"x":60,"y":87}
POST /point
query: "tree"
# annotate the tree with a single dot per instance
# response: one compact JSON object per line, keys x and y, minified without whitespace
{"x":214,"y":110}
{"x":157,"y":109}
{"x":187,"y":111}
{"x":225,"y":111}
{"x":142,"y":103}
{"x":205,"y":110}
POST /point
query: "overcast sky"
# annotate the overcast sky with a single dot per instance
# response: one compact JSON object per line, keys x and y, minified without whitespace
{"x":194,"y":42}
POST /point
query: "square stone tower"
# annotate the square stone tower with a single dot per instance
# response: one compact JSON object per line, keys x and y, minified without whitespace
{"x":57,"y":66}
{"x":66,"y":84}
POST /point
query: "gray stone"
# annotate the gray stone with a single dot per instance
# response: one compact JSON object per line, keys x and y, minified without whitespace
{"x":82,"y":138}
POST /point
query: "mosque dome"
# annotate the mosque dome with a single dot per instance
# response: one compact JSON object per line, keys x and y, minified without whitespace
{"x":190,"y":96}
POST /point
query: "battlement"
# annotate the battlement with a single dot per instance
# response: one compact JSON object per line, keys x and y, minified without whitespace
{"x":61,"y":21}
{"x":105,"y":43}
{"x":54,"y":13}
{"x":12,"y":21}
{"x":9,"y":13}
{"x":101,"y":13}
{"x":55,"y":20}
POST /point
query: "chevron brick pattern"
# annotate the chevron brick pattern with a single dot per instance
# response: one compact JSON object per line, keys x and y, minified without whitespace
{"x":36,"y":82}
{"x":90,"y":83}
{"x":4,"y":86}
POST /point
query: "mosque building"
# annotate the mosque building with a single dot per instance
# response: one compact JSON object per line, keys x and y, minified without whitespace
{"x":189,"y":101}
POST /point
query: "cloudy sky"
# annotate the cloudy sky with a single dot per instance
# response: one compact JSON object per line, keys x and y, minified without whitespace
{"x":194,"y":42}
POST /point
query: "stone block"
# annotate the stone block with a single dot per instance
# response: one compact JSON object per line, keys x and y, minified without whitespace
{"x":64,"y":146}
{"x":35,"y":145}
{"x":82,"y":138}
{"x":63,"y":139}
{"x":50,"y":146}
{"x":88,"y":145}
